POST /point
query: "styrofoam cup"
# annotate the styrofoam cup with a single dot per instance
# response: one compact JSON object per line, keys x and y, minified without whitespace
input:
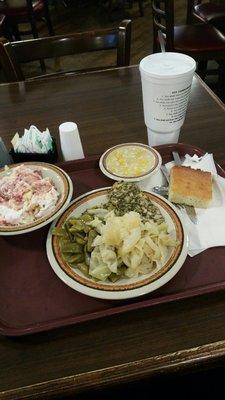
{"x":166,"y":84}
{"x":70,"y":142}
{"x":157,"y":138}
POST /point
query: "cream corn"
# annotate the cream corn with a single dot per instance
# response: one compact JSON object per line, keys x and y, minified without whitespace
{"x":130,"y":161}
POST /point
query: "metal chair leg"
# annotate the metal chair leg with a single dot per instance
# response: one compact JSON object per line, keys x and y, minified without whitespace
{"x":32,"y":19}
{"x":202,"y":68}
{"x":221,"y":80}
{"x":35,"y":35}
{"x":16,"y":32}
{"x":48,"y":19}
{"x":141,"y":9}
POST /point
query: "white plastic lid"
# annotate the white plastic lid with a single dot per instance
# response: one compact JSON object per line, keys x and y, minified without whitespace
{"x":167,"y":65}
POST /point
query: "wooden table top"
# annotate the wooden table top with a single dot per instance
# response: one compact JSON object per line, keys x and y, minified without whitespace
{"x":188,"y":334}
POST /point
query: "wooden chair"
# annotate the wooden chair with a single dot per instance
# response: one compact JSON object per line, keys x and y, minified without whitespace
{"x":212,"y":13}
{"x":29,"y":13}
{"x":203,"y":42}
{"x":13,"y":54}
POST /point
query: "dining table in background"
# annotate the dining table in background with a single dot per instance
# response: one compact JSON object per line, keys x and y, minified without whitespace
{"x":169,"y":338}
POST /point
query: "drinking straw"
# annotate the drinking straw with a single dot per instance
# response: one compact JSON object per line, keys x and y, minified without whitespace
{"x":161,"y":41}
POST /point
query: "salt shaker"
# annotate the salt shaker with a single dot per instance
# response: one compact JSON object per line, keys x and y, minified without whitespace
{"x":70,"y":141}
{"x":5,"y":158}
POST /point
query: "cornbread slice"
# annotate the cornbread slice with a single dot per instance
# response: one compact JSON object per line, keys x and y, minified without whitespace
{"x":190,"y":186}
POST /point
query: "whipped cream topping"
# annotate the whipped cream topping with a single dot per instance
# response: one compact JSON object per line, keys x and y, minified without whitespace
{"x":25,"y":195}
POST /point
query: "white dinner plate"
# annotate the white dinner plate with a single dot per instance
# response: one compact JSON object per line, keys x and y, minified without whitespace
{"x":62,"y":183}
{"x":125,"y":287}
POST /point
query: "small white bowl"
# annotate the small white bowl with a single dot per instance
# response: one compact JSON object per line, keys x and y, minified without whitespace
{"x":157,"y":162}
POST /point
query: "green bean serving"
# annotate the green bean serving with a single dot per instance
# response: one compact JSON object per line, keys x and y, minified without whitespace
{"x":77,"y":235}
{"x":76,"y":238}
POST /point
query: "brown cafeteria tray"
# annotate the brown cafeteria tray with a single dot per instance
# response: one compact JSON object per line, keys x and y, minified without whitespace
{"x":34,"y":299}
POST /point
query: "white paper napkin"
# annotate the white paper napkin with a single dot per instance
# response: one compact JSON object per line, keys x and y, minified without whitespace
{"x":210,"y":228}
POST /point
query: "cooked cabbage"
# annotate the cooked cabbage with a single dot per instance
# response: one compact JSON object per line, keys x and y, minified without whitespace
{"x":103,"y":261}
{"x":142,"y":247}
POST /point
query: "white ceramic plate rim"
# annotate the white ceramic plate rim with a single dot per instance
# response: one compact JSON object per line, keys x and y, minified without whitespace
{"x":117,"y":295}
{"x":124,"y":178}
{"x":54,"y":216}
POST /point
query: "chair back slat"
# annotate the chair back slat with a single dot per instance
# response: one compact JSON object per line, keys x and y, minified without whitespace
{"x":163,"y":19}
{"x":124,"y":44}
{"x":9,"y":67}
{"x":59,"y":46}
